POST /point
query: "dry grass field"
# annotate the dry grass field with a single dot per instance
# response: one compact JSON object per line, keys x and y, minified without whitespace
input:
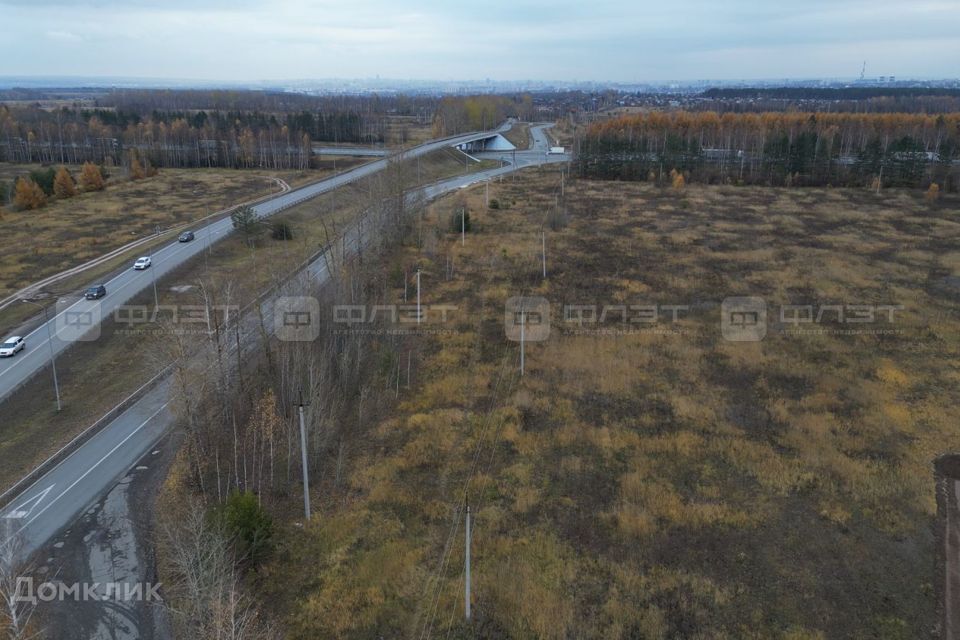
{"x":519,"y":135}
{"x":63,"y":234}
{"x":406,"y":131}
{"x":653,"y":479}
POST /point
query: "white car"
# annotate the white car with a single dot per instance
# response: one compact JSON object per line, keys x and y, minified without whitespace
{"x":11,"y":345}
{"x":142,"y":263}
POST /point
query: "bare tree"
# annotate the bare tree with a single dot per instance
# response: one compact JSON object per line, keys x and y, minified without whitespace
{"x":16,"y":611}
{"x":204,"y":595}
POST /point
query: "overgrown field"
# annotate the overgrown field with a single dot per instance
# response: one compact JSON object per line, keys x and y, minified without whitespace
{"x":519,"y":135}
{"x":404,"y":131}
{"x":649,"y":478}
{"x":38,"y":243}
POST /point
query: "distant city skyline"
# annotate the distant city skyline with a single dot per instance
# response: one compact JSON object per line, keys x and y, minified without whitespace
{"x":243,"y":41}
{"x":320,"y":86}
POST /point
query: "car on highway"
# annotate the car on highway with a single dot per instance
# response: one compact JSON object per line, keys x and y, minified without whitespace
{"x":142,"y":263}
{"x":95,"y":292}
{"x":186,"y":236}
{"x":11,"y":346}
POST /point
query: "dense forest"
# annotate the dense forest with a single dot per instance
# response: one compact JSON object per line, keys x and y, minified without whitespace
{"x":460,"y":114}
{"x":198,"y":128}
{"x":148,"y":100}
{"x":783,"y":148}
{"x":826,"y":99}
{"x":68,"y":136}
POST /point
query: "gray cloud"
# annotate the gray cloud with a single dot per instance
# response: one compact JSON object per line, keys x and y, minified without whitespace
{"x":505,"y":39}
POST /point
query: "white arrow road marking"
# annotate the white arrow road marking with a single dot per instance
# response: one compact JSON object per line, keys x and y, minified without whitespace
{"x":22,"y":511}
{"x":89,"y":471}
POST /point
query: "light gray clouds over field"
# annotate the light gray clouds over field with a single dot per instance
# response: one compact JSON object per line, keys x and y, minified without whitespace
{"x":623,"y":40}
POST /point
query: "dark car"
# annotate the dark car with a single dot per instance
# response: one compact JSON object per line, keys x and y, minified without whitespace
{"x":96,"y":291}
{"x":186,"y":236}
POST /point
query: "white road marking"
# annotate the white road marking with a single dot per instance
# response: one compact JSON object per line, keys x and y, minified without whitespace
{"x":90,"y":470}
{"x":57,"y":326}
{"x":22,"y":512}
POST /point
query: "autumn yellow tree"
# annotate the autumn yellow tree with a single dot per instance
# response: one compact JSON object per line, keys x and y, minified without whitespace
{"x":933,"y":192}
{"x":91,"y":178}
{"x":677,"y":180}
{"x":63,"y":184}
{"x":29,"y":195}
{"x":137,"y":170}
{"x":148,"y":169}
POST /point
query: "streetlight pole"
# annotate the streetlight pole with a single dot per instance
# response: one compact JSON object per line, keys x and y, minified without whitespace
{"x":156,"y":300}
{"x":53,"y":359}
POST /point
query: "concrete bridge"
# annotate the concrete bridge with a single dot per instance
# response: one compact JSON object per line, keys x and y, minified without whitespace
{"x":486,"y":142}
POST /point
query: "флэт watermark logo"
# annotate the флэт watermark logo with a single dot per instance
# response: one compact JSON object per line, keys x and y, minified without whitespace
{"x":527,"y":318}
{"x":297,"y":318}
{"x":743,"y":319}
{"x":78,"y":321}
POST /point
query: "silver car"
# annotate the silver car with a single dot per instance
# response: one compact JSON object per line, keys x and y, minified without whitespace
{"x":11,"y":346}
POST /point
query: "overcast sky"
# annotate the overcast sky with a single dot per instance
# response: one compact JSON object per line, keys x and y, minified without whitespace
{"x":618,"y":40}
